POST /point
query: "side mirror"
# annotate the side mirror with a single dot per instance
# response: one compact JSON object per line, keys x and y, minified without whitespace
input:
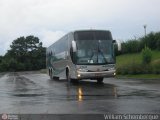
{"x":119,"y":46}
{"x":74,"y":46}
{"x":113,"y":41}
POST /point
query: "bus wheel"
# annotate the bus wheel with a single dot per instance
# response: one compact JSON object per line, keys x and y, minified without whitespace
{"x":68,"y":76}
{"x":76,"y":81}
{"x":51,"y":74}
{"x":99,"y":80}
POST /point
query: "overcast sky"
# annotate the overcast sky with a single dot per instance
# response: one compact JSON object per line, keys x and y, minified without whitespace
{"x":51,"y":19}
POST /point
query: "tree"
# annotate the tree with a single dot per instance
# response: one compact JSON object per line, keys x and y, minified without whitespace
{"x":157,"y":37}
{"x":26,"y":53}
{"x":1,"y":57}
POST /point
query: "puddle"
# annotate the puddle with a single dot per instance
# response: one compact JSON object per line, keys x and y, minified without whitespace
{"x":27,"y":95}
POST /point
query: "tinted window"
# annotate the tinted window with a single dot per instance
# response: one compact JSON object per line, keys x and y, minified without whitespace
{"x":92,"y":35}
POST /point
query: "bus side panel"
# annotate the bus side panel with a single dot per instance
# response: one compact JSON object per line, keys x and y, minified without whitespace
{"x":57,"y":59}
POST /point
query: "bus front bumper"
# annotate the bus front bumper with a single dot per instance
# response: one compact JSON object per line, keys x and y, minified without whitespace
{"x":92,"y":75}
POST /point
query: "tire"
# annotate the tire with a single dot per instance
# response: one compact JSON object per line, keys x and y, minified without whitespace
{"x":51,"y":77}
{"x":69,"y":79}
{"x":99,"y":80}
{"x":68,"y":76}
{"x":75,"y":81}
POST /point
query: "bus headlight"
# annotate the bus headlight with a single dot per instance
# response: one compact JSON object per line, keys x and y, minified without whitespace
{"x":78,"y":75}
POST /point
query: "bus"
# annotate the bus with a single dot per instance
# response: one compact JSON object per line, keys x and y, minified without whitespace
{"x":82,"y":54}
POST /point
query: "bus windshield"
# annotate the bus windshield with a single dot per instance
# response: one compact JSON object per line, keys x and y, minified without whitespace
{"x":95,"y":52}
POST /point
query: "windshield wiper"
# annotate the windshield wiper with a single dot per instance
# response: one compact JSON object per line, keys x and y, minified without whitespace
{"x":91,"y":57}
{"x":102,"y":54}
{"x":99,"y":52}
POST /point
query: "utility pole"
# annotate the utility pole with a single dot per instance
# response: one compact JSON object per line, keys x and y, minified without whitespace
{"x":145,"y":27}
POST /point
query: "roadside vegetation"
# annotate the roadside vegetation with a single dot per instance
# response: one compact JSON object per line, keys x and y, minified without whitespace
{"x":26,"y":53}
{"x":132,"y":64}
{"x":140,"y":57}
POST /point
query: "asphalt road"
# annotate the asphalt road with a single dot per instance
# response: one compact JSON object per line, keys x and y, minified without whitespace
{"x":35,"y":93}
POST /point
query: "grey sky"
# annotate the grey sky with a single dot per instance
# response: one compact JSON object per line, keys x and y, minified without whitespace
{"x":51,"y":19}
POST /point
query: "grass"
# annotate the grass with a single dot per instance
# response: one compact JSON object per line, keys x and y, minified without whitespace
{"x":134,"y":58}
{"x":129,"y":59}
{"x":156,"y":55}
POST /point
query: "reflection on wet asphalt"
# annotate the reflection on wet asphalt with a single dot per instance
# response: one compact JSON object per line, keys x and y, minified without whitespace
{"x":29,"y":92}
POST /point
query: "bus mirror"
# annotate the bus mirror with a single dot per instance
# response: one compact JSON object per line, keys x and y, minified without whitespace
{"x":119,"y":47}
{"x":74,"y":46}
{"x":114,"y":41}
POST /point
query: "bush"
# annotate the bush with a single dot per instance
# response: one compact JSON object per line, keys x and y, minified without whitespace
{"x":4,"y":66}
{"x":156,"y":66}
{"x":133,"y":68}
{"x":151,"y":40}
{"x":12,"y":64}
{"x":158,"y":44}
{"x":146,"y":55}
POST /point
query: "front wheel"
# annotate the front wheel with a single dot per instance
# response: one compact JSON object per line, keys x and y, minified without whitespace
{"x":68,"y":76}
{"x":99,"y":80}
{"x":75,"y":81}
{"x":69,"y":79}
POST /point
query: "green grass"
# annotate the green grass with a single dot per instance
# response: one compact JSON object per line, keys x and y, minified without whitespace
{"x":156,"y":55}
{"x":127,"y":59}
{"x":136,"y":59}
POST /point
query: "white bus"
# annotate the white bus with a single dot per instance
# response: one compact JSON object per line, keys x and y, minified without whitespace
{"x":82,"y":54}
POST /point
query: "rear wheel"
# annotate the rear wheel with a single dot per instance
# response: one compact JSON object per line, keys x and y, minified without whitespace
{"x":99,"y":80}
{"x":50,"y":74}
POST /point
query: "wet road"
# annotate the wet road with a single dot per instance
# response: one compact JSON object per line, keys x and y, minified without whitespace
{"x":34,"y":93}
